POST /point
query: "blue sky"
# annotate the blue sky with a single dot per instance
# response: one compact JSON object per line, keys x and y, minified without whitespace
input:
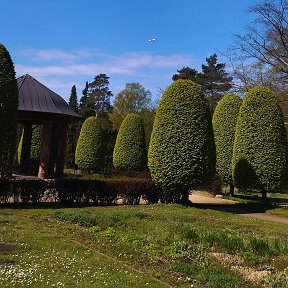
{"x":62,"y":43}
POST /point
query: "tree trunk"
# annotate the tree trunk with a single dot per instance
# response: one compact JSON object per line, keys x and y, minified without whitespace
{"x":231,"y":191}
{"x":264,"y":194}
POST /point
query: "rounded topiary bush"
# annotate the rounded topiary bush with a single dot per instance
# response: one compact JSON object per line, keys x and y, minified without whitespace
{"x":130,"y":151}
{"x":224,"y":126}
{"x":90,"y":149}
{"x":182,"y":151}
{"x":260,"y":149}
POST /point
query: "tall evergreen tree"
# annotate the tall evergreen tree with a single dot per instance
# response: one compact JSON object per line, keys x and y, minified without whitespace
{"x":187,"y":73}
{"x":99,"y":95}
{"x":8,"y":112}
{"x":73,"y":101}
{"x":214,"y":80}
{"x":84,"y":97}
{"x":73,"y":130}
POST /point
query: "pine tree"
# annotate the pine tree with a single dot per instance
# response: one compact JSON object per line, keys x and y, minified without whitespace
{"x":214,"y":80}
{"x":73,"y":130}
{"x":8,"y":112}
{"x":99,"y":95}
{"x":73,"y":101}
{"x":187,"y":73}
{"x":84,"y":97}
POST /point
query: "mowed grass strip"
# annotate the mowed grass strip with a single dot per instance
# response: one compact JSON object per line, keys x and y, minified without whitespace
{"x":169,"y":245}
{"x":42,"y":255}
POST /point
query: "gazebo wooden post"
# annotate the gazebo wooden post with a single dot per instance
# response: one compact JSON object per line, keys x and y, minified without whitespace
{"x":46,"y":167}
{"x":26,"y":147}
{"x":61,"y":148}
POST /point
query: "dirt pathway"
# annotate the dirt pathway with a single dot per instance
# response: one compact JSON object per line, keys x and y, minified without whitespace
{"x":266,"y":217}
{"x":232,"y":207}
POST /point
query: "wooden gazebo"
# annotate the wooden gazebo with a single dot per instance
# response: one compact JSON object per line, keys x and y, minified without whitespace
{"x":39,"y":105}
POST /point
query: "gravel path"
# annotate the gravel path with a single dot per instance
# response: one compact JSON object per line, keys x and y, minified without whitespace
{"x":232,"y":207}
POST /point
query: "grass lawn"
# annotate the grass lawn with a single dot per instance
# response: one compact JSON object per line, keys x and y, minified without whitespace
{"x":140,"y":246}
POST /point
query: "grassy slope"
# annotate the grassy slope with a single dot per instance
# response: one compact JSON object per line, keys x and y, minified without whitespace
{"x":162,"y":245}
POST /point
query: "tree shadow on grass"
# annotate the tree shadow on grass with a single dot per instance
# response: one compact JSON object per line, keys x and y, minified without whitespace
{"x":238,"y":208}
{"x":247,"y":204}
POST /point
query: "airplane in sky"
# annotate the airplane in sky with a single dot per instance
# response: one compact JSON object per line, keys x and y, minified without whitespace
{"x":151,"y":40}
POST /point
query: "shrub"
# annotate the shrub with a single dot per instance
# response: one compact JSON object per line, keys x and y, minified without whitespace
{"x":90,"y":149}
{"x":8,"y":112}
{"x":35,"y":150}
{"x":224,"y":126}
{"x":130,"y":151}
{"x":260,"y":150}
{"x":182,"y":151}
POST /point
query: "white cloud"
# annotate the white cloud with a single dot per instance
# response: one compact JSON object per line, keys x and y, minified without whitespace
{"x":123,"y":64}
{"x":47,"y":55}
{"x":59,"y":70}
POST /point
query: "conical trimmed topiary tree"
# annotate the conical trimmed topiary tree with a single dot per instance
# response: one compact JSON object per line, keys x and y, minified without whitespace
{"x":224,"y":126}
{"x":8,"y":112}
{"x":260,"y":148}
{"x":35,"y":150}
{"x":182,"y":151}
{"x":90,"y":149}
{"x":130,"y":151}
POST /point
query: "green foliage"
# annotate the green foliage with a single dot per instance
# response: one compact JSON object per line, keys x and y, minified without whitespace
{"x":36,"y":142}
{"x":182,"y":150}
{"x":72,"y":137}
{"x":73,"y":130}
{"x":8,"y":112}
{"x":35,"y":150}
{"x":215,"y":81}
{"x":260,"y":149}
{"x":130,"y":151}
{"x":213,"y":78}
{"x":90,"y":148}
{"x":73,"y":102}
{"x":132,"y":99}
{"x":96,"y":96}
{"x":224,"y":126}
{"x":186,"y":73}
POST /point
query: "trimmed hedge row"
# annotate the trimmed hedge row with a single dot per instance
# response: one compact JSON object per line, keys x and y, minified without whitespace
{"x":69,"y":191}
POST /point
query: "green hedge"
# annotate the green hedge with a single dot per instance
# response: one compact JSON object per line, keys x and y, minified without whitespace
{"x":260,"y":149}
{"x":130,"y":151}
{"x":182,"y":150}
{"x":224,"y":126}
{"x":78,"y":191}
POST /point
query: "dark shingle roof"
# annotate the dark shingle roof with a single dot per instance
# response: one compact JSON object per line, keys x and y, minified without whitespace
{"x":38,"y":100}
